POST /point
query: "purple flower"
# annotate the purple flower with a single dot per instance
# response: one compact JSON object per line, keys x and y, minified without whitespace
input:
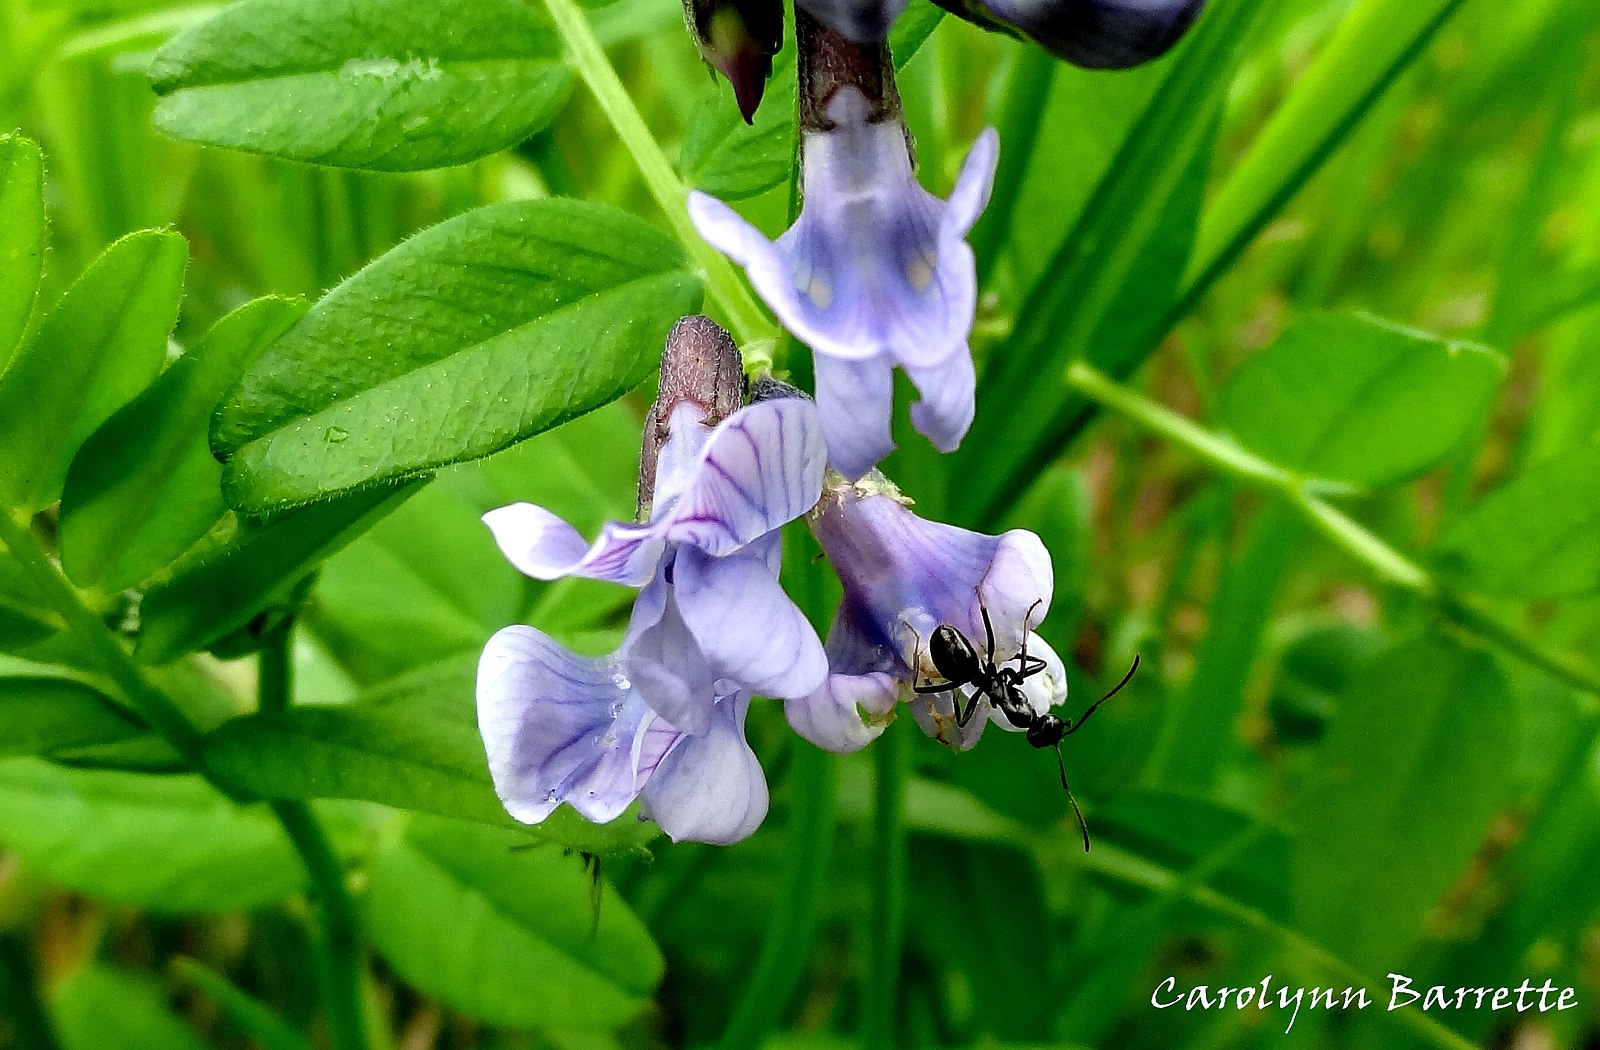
{"x":711,"y":626}
{"x":903,"y":577}
{"x":859,"y":21}
{"x":875,"y":273}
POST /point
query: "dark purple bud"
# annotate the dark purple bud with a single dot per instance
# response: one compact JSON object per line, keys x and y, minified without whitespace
{"x":1098,"y":34}
{"x":738,"y":39}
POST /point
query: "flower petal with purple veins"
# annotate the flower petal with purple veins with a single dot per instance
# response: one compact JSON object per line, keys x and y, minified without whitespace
{"x":558,"y":727}
{"x":855,"y":400}
{"x":761,"y":468}
{"x":543,"y":546}
{"x":746,"y":625}
{"x":711,"y":788}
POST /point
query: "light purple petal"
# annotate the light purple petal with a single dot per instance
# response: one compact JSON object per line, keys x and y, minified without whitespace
{"x":558,"y":727}
{"x":1019,"y":584}
{"x":746,"y":625}
{"x":711,"y":788}
{"x":848,"y":712}
{"x":872,"y":268}
{"x":663,"y":660}
{"x":761,"y":468}
{"x":855,"y":400}
{"x":973,"y":186}
{"x":543,"y":546}
{"x":948,"y":401}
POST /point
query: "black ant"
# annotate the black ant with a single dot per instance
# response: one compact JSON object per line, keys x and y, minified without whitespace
{"x":958,"y":660}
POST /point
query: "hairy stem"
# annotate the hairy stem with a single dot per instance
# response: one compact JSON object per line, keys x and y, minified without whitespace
{"x":745,"y":319}
{"x":1367,"y":548}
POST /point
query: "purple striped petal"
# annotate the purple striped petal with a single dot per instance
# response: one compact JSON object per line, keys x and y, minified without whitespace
{"x":746,"y":625}
{"x":543,"y":546}
{"x":711,"y":788}
{"x":663,"y":659}
{"x":558,"y":727}
{"x":761,"y":468}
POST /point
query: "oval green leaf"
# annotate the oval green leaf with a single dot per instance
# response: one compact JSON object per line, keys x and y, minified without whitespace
{"x":495,"y":930}
{"x":384,"y":85}
{"x":1352,"y":398}
{"x":469,"y":337}
{"x":48,"y":713}
{"x":145,"y":488}
{"x":102,"y":343}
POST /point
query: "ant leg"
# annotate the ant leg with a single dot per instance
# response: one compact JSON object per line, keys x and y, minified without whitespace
{"x":1082,"y":824}
{"x":988,"y":628}
{"x":1115,"y":690}
{"x":963,"y":717}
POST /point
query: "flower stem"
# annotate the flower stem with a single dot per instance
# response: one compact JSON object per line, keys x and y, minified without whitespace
{"x":893,"y":757}
{"x":745,"y":319}
{"x":340,"y":948}
{"x":152,"y":705}
{"x":1349,"y":535}
{"x":813,"y":793}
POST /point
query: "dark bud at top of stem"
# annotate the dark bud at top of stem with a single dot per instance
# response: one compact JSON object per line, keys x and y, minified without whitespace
{"x":738,"y":39}
{"x":700,"y":365}
{"x":1094,"y":34}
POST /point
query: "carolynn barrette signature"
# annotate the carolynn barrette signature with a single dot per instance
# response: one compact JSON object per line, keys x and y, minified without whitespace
{"x":1268,"y":994}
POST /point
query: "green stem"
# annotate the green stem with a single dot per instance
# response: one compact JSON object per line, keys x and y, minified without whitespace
{"x":749,"y":325}
{"x":787,"y":947}
{"x":893,"y":758}
{"x":1349,"y":535}
{"x":154,"y":706}
{"x":340,"y":958}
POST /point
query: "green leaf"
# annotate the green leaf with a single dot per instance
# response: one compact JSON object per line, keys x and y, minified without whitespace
{"x":102,"y":343}
{"x":24,"y":615}
{"x":99,"y":1008}
{"x":395,"y":755}
{"x":1408,"y":779}
{"x":21,"y":237}
{"x":1538,"y":536}
{"x":172,"y":844}
{"x":1355,"y":399}
{"x":45,"y":713}
{"x":387,"y":85}
{"x":219,"y":589}
{"x":145,"y":488}
{"x":505,"y":934}
{"x":470,"y":336}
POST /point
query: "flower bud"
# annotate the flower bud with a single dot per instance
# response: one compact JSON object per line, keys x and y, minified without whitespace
{"x":738,"y":39}
{"x":1094,"y":34}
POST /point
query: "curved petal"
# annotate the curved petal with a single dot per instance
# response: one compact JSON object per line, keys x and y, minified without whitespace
{"x":855,"y":400}
{"x":1016,"y":590}
{"x":710,"y":788}
{"x":831,"y":717}
{"x":558,"y":727}
{"x":664,"y":661}
{"x":761,"y":468}
{"x":948,"y":400}
{"x":746,"y":625}
{"x":543,"y":546}
{"x":971,"y":192}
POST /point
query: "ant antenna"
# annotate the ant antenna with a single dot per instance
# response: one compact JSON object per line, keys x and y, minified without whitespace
{"x":1083,"y":825}
{"x":1114,"y":691}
